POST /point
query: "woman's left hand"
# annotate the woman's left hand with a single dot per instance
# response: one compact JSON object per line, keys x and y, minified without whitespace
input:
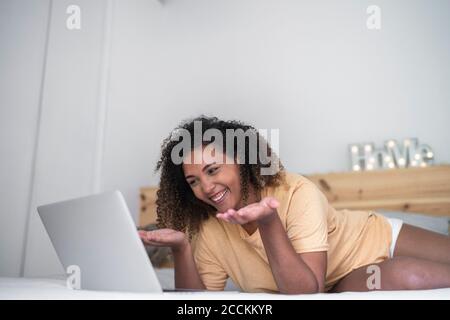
{"x":253,"y":212}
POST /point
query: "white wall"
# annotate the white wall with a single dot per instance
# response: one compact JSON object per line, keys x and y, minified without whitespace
{"x":55,"y":107}
{"x":70,"y":123}
{"x":23,"y":26}
{"x":310,"y":68}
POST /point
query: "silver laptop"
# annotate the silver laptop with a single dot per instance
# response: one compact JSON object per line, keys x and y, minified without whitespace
{"x":97,"y":235}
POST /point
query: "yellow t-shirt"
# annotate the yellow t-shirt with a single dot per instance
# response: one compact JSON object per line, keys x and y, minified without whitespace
{"x":352,"y":239}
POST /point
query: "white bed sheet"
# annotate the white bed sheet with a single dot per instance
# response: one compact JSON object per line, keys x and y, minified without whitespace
{"x":43,"y":289}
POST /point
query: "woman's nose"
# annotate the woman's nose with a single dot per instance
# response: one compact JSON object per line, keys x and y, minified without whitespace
{"x":207,"y":186}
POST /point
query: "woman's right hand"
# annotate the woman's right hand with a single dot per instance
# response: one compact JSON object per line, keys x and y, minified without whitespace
{"x":164,"y":238}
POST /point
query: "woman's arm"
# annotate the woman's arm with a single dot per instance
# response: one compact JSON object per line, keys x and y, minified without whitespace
{"x":186,"y":274}
{"x":293,"y":272}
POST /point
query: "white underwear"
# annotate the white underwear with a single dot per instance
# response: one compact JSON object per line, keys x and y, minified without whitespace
{"x":396,"y":225}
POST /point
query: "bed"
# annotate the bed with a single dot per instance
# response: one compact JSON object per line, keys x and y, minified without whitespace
{"x":55,"y":289}
{"x":420,"y":196}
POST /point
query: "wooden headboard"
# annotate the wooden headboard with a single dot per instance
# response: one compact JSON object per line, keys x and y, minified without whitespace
{"x":422,"y":190}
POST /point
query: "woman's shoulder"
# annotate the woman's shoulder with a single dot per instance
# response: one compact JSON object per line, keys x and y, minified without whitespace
{"x":292,"y":181}
{"x":293,"y":184}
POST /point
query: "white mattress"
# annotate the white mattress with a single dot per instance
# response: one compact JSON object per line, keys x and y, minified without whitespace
{"x":33,"y":288}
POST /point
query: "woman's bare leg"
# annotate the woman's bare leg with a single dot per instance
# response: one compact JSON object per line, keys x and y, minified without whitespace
{"x":421,"y":261}
{"x":423,"y":244}
{"x":398,"y":273}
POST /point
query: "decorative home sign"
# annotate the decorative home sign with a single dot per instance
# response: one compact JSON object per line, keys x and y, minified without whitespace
{"x":364,"y":156}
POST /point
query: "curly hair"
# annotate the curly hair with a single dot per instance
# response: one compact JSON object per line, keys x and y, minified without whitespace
{"x":177,"y":206}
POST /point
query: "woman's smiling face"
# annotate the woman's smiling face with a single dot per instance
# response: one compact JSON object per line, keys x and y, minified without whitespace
{"x":215,"y":183}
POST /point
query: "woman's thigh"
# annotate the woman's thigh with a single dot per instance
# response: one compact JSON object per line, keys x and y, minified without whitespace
{"x":398,"y":273}
{"x":423,"y":244}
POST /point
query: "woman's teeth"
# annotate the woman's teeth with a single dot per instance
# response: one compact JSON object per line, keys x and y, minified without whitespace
{"x":220,"y":196}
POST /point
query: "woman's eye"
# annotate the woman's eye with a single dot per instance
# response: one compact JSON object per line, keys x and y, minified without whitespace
{"x":212,"y":170}
{"x":192,"y":182}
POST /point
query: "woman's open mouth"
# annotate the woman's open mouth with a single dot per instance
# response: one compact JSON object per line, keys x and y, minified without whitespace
{"x":220,"y":196}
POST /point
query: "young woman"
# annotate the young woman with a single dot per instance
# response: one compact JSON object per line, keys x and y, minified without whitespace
{"x":278,"y":233}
